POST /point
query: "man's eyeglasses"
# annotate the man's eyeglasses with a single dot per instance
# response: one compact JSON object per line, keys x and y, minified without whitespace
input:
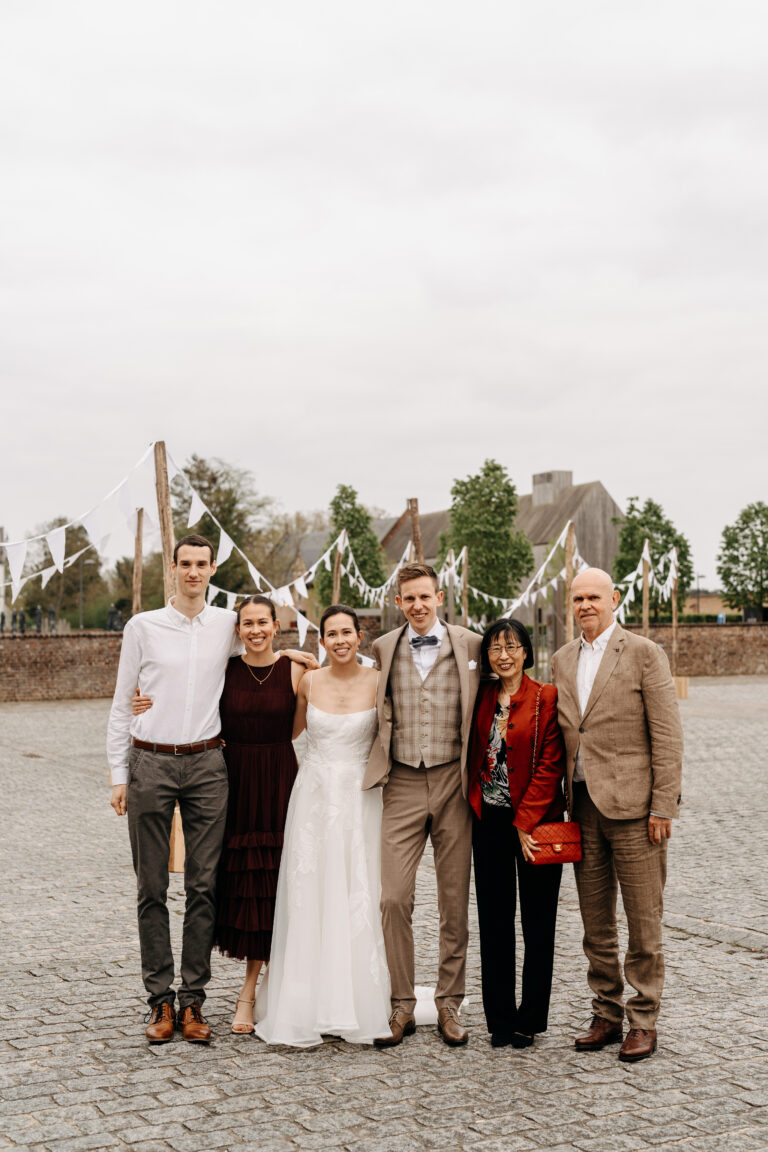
{"x":497,"y":649}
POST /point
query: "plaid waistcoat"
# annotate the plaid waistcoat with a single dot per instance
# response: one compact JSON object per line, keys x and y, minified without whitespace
{"x":426,"y":715}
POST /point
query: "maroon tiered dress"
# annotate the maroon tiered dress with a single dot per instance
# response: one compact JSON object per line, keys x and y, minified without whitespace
{"x":256,"y":723}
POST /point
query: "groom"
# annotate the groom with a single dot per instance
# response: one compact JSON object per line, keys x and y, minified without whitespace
{"x":429,"y":679}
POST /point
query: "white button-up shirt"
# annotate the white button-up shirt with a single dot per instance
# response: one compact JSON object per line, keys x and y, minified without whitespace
{"x":590,"y":656}
{"x":425,"y":656}
{"x":179,"y":662}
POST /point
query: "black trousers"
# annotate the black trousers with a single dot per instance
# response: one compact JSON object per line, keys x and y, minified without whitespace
{"x":199,"y":783}
{"x":500,"y":870}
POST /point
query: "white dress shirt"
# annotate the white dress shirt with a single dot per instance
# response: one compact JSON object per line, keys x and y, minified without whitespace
{"x":590,"y":656}
{"x":425,"y":656}
{"x":180,"y":663}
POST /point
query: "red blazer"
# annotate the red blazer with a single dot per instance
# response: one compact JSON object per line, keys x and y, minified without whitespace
{"x":537,"y":799}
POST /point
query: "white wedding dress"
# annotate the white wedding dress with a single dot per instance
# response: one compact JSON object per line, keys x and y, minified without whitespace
{"x":327,"y":970}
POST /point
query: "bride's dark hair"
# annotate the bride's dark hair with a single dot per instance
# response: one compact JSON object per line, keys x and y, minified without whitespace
{"x":265,"y":600}
{"x":338,"y":610}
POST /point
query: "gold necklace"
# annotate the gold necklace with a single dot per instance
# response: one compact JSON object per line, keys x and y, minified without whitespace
{"x":271,"y":669}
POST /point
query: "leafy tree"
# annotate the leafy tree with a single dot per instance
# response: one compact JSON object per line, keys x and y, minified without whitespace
{"x":152,"y":587}
{"x":650,"y":522}
{"x":62,"y":592}
{"x":742,"y":562}
{"x":249,"y":519}
{"x":345,"y":512}
{"x":483,"y":510}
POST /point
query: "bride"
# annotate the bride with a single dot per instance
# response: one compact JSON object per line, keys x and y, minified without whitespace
{"x":328,"y":972}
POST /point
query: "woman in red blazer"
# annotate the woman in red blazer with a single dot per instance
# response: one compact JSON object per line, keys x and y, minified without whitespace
{"x":509,"y":798}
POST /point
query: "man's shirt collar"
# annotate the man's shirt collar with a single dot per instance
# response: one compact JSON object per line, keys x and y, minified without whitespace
{"x":600,"y":642}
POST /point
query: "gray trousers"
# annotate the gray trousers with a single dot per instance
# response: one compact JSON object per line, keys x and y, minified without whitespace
{"x":199,"y":783}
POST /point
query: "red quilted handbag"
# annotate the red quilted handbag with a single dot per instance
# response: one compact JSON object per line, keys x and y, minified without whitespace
{"x":559,"y":843}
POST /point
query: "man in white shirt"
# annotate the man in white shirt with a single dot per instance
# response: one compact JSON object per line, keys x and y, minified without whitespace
{"x":177,"y":656}
{"x":426,"y":693}
{"x":618,"y":712}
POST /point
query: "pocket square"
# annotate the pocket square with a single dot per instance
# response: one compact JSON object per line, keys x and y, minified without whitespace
{"x":472,"y":665}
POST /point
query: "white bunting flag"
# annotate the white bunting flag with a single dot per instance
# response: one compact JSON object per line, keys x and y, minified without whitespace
{"x":225,"y":549}
{"x":255,"y":575}
{"x":127,"y":506}
{"x":303,"y":627}
{"x":57,"y":546}
{"x":301,"y":588}
{"x":16,"y":587}
{"x":320,"y":652}
{"x":196,"y":510}
{"x":211,"y":593}
{"x":231,"y":598}
{"x":92,"y":524}
{"x":47,"y":573}
{"x":16,"y":554}
{"x":367,"y":661}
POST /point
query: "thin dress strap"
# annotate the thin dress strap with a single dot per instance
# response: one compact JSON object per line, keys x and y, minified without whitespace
{"x":376,"y":689}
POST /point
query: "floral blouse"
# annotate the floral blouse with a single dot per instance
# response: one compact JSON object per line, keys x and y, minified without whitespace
{"x":494,"y":781}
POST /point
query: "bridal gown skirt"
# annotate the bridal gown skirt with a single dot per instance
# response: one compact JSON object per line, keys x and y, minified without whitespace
{"x":328,"y":973}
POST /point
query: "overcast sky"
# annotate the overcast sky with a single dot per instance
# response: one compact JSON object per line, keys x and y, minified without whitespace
{"x":376,"y":244}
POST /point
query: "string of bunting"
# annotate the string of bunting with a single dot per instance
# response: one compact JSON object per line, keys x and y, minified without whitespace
{"x":634,"y":579}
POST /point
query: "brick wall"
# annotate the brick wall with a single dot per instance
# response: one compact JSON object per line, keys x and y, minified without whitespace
{"x":83,"y":665}
{"x":716,"y":649}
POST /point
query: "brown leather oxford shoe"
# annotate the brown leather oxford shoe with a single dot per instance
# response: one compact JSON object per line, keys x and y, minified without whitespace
{"x":639,"y":1044}
{"x":401,"y":1024}
{"x":161,"y":1024}
{"x":599,"y":1033}
{"x":449,"y":1027}
{"x":194,"y":1026}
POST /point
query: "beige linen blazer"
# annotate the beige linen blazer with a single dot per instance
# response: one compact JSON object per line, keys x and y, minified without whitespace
{"x":466,"y":650}
{"x":630,"y":732}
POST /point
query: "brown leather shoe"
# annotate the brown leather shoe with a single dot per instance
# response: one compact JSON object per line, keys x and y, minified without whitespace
{"x":161,"y":1023}
{"x":449,"y":1027}
{"x":193,"y":1024}
{"x":401,"y":1024}
{"x":599,"y":1033}
{"x":639,"y":1044}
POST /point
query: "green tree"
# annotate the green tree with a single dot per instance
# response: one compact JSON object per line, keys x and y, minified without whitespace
{"x":345,"y":512}
{"x":152,"y":587}
{"x":62,"y":592}
{"x":649,"y":522}
{"x":742,"y":562}
{"x":483,"y":510}
{"x":248,"y":518}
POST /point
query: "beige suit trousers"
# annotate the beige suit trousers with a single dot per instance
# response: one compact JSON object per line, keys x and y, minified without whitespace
{"x":422,"y":802}
{"x":618,"y":852}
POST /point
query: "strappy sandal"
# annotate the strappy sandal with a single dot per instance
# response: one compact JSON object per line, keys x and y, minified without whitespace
{"x":242,"y":1027}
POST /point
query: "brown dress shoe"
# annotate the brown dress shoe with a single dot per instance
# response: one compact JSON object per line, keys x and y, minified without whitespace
{"x":639,"y":1044}
{"x":449,"y":1027}
{"x":599,"y":1033}
{"x":401,"y":1023}
{"x":193,"y":1024}
{"x":161,"y":1023}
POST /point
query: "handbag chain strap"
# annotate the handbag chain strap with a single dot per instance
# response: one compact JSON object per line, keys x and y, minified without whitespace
{"x":535,"y":743}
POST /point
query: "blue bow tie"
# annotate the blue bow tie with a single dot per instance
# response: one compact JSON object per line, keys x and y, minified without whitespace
{"x":417,"y":641}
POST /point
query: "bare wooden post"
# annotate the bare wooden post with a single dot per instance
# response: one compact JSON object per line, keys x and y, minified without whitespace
{"x":646,"y":592}
{"x":138,"y":560}
{"x":337,"y":576}
{"x":164,"y":516}
{"x":465,"y":589}
{"x":418,"y":547}
{"x":450,"y":608}
{"x":570,"y":547}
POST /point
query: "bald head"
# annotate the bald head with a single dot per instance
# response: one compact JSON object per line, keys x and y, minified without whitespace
{"x":594,"y":601}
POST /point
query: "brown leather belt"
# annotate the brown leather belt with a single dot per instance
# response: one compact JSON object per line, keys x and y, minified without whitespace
{"x":178,"y":749}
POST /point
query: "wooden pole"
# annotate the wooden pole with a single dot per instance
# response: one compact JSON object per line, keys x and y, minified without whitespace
{"x":418,"y":547}
{"x":674,"y":626}
{"x":450,"y":608}
{"x":337,"y":576}
{"x":138,"y":560}
{"x":646,"y":593}
{"x":164,"y":516}
{"x":465,"y":589}
{"x":570,"y":548}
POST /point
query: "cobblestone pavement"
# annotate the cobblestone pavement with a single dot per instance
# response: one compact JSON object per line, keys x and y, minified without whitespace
{"x":76,"y":1073}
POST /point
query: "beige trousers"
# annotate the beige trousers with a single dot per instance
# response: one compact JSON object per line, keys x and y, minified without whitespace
{"x":618,"y":852}
{"x":422,"y":802}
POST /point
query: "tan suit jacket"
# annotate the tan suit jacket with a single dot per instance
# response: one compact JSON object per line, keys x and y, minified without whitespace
{"x":466,"y":650}
{"x":630,"y":732}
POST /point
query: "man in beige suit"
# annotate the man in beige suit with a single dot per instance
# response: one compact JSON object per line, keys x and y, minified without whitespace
{"x":427,"y":687}
{"x":618,"y":712}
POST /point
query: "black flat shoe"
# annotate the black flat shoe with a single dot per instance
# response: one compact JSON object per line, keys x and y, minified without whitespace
{"x":501,"y":1039}
{"x":520,"y":1040}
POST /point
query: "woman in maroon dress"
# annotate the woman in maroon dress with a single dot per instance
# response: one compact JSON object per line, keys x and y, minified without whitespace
{"x":257,"y":707}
